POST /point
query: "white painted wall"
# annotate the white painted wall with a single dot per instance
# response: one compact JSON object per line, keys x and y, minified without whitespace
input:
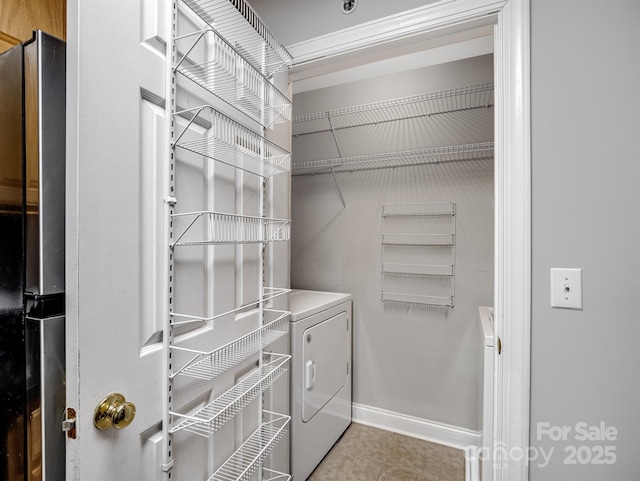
{"x":417,"y":362}
{"x":585,"y":153}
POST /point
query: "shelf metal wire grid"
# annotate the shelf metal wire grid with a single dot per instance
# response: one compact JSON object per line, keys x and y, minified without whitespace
{"x":417,"y":269}
{"x":207,"y":365}
{"x":232,"y":143}
{"x":216,"y":414}
{"x":444,"y":301}
{"x":453,"y":153}
{"x":268,"y":293}
{"x":418,"y":239}
{"x":219,"y":228}
{"x":402,"y":216}
{"x":432,"y":103}
{"x":226,"y":74}
{"x":247,"y":32}
{"x":419,"y":209}
{"x":247,"y":459}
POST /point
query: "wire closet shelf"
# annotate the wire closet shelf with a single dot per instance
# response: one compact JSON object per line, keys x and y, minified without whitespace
{"x":219,"y":228}
{"x":436,"y":155}
{"x":417,"y":300}
{"x":246,"y":461}
{"x":214,"y":64}
{"x":231,"y":143}
{"x":247,"y":30}
{"x":423,"y":105}
{"x":268,"y":294}
{"x":207,"y":365}
{"x":215,"y":415}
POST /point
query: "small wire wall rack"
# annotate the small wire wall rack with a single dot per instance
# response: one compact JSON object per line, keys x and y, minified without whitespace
{"x":412,"y":235}
{"x":248,"y":458}
{"x":424,"y":105}
{"x":233,"y":144}
{"x":213,"y":416}
{"x":436,"y":155}
{"x":268,"y":293}
{"x":215,"y":65}
{"x":246,"y":31}
{"x":219,"y":228}
{"x":207,"y":365}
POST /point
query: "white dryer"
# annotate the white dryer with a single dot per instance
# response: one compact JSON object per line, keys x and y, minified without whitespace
{"x":320,"y":376}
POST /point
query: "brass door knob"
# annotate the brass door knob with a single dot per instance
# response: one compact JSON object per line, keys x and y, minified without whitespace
{"x":114,"y":412}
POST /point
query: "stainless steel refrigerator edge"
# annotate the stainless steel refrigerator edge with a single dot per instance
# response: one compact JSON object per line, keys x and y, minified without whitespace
{"x":32,"y":84}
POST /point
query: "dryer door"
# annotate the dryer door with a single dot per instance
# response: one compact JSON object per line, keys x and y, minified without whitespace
{"x":324,"y":368}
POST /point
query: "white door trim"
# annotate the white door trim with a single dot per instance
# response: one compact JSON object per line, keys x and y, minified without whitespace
{"x":394,"y":28}
{"x":512,"y":181}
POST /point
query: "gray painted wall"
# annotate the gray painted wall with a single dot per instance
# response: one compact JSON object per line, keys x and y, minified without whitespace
{"x":293,"y":21}
{"x":585,"y":160}
{"x":421,"y":362}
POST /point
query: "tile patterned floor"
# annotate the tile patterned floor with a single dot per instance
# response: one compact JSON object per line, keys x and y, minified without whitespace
{"x":365,"y":453}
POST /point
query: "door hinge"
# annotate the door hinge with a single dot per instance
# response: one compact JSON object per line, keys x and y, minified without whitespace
{"x":499,"y":346}
{"x":69,"y":423}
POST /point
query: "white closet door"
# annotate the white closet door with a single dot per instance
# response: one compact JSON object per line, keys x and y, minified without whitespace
{"x":117,"y":147}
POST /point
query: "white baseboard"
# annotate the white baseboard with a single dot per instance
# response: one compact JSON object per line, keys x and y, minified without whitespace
{"x":440,"y":433}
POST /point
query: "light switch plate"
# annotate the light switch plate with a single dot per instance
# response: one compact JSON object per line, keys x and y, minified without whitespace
{"x":566,"y":288}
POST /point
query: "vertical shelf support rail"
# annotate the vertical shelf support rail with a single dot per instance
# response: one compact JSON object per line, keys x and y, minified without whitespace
{"x":335,"y":139}
{"x":169,"y":203}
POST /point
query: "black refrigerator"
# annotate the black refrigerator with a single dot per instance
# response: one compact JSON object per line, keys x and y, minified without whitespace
{"x":32,"y":213}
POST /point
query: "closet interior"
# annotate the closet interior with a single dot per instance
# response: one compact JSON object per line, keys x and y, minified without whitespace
{"x":392,"y":202}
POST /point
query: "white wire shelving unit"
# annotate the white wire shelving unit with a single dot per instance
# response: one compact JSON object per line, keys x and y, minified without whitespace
{"x":220,"y":69}
{"x":268,"y":294}
{"x":213,"y":416}
{"x":472,"y":97}
{"x":424,"y":105}
{"x":248,"y":458}
{"x":233,"y":144}
{"x":418,"y":299}
{"x":400,"y":231}
{"x":240,"y":25}
{"x":219,"y":228}
{"x":226,"y":57}
{"x":207,"y":365}
{"x":436,"y":155}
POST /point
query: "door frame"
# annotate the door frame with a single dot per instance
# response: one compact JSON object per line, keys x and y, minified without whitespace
{"x":512,"y":289}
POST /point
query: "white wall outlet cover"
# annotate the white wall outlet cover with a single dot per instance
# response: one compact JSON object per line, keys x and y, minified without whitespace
{"x":566,"y":288}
